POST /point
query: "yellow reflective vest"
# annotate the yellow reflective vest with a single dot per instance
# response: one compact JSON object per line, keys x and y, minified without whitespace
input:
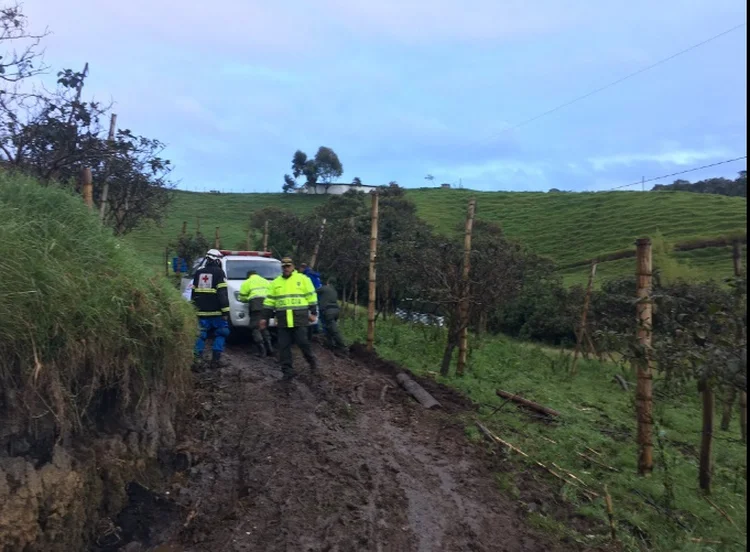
{"x":292,"y":299}
{"x":255,"y":286}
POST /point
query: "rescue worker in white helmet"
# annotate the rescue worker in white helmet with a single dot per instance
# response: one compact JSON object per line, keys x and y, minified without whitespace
{"x":211,"y":299}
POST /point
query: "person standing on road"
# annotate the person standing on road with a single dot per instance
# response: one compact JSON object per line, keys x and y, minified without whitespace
{"x":211,"y":298}
{"x":310,"y":273}
{"x":291,"y":297}
{"x":328,"y":306}
{"x":253,"y":291}
{"x":305,"y":269}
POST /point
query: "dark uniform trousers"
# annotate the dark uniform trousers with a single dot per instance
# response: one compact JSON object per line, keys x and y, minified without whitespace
{"x":288,"y":337}
{"x":255,"y":310}
{"x":330,"y":318}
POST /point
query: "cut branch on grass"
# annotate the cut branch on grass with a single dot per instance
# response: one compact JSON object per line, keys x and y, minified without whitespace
{"x":597,"y":463}
{"x":494,"y":438}
{"x":610,"y":513}
{"x":722,"y":512}
{"x":527,"y":403}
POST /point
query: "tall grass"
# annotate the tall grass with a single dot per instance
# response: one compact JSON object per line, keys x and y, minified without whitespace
{"x":83,"y":324}
{"x":664,"y":512}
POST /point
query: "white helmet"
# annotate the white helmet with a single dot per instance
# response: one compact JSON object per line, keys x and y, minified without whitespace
{"x":213,"y":255}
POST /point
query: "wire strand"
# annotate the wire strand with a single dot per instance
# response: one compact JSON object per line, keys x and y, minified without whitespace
{"x":622,"y":79}
{"x":678,"y":173}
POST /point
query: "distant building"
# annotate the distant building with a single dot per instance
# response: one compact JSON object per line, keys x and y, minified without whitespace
{"x":335,"y":188}
{"x":445,"y":186}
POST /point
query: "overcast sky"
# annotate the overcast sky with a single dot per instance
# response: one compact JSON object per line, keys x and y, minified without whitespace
{"x":234,"y":87}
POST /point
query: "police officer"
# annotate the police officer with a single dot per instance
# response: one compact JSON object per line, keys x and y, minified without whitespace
{"x":211,"y":299}
{"x":328,"y":305}
{"x":253,"y":291}
{"x":292,"y":299}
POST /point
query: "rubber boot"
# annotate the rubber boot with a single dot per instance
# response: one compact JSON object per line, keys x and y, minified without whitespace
{"x":217,"y":361}
{"x":269,"y":347}
{"x":260,"y":350}
{"x":313,"y":362}
{"x":198,"y":364}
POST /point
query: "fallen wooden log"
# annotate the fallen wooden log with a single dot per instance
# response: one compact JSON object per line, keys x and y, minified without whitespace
{"x":417,"y":391}
{"x":527,"y":403}
{"x":621,"y":381}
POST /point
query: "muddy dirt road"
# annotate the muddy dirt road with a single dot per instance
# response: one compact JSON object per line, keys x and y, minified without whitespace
{"x":339,"y":461}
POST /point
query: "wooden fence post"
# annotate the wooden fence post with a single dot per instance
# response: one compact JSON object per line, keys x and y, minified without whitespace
{"x":87,"y":187}
{"x":265,"y":237}
{"x":373,"y":274}
{"x":217,"y":239}
{"x":704,"y":468}
{"x":737,"y":258}
{"x":737,"y":262}
{"x":743,"y":415}
{"x":197,"y":226}
{"x":105,"y":189}
{"x":463,"y":339}
{"x":184,"y":227}
{"x":644,"y":388}
{"x":314,"y":258}
{"x":582,"y":328}
{"x":356,"y":294}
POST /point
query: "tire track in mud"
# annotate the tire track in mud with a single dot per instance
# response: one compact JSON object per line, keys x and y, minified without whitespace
{"x":329,"y":463}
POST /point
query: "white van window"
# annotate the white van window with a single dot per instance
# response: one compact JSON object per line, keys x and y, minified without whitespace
{"x":237,"y":269}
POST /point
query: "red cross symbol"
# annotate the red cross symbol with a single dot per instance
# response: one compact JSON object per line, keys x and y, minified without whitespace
{"x":205,"y":278}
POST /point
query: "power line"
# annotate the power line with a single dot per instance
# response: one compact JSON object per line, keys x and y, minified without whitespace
{"x":622,"y":79}
{"x":678,"y":173}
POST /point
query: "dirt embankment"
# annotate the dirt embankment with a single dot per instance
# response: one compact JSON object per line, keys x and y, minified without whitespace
{"x":61,"y":495}
{"x":339,"y":461}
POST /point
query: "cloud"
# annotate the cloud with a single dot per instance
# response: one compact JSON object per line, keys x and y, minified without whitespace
{"x":679,"y":158}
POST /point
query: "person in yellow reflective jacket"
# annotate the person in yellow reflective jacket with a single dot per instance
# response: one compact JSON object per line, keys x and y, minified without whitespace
{"x":292,"y":299}
{"x":253,"y":291}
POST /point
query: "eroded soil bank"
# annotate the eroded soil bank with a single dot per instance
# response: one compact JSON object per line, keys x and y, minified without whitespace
{"x":59,"y":494}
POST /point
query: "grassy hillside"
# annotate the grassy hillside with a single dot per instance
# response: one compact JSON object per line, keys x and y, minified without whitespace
{"x":231,"y":212}
{"x":563,"y":226}
{"x":574,"y":227}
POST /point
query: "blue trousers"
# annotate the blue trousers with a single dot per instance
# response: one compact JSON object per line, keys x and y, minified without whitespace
{"x":221,"y":332}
